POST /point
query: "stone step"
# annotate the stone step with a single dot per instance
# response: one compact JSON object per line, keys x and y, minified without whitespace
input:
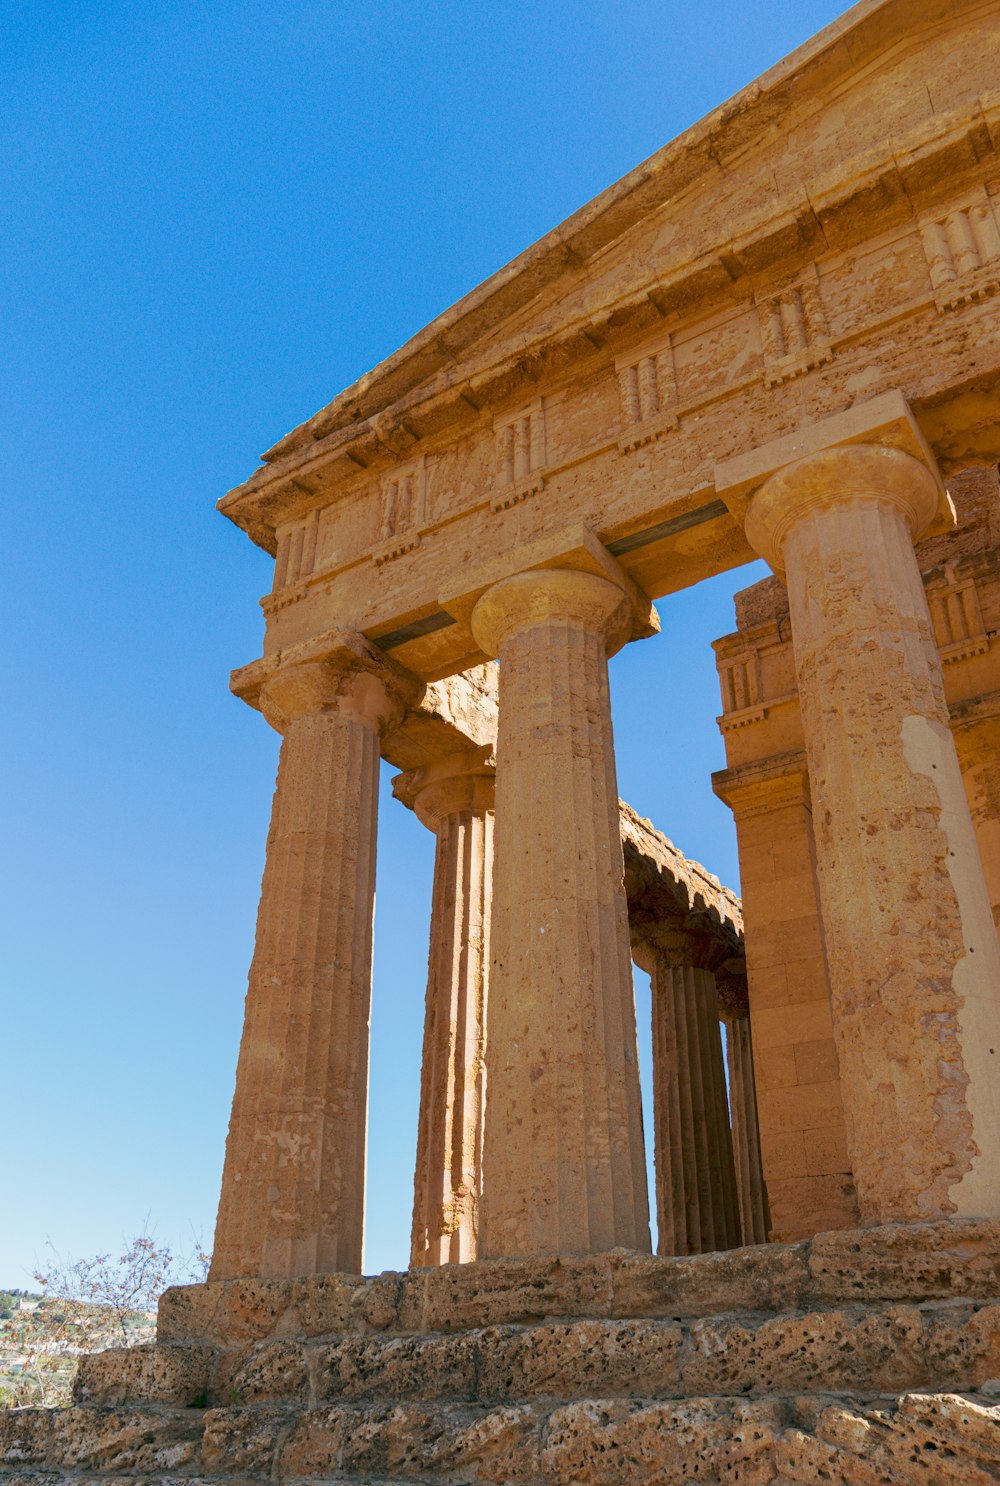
{"x":942,"y":1345}
{"x":897,"y":1262}
{"x":92,"y":1478}
{"x":932,"y":1439}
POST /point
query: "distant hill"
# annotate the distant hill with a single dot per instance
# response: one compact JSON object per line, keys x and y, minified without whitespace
{"x":41,"y":1338}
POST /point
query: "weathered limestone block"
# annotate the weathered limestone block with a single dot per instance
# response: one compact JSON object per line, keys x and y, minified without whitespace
{"x":499,"y":1445}
{"x":917,"y":1262}
{"x":137,"y":1440}
{"x":608,"y":1443}
{"x":563,"y":1163}
{"x":952,"y":1441}
{"x":907,"y":1262}
{"x":499,"y":1292}
{"x":910,"y":942}
{"x":242,"y":1442}
{"x":454,"y":798}
{"x":915,"y":1439}
{"x":918,"y":1437}
{"x":578,"y":1358}
{"x":262,"y":1373}
{"x":293,"y":1185}
{"x":415,"y":1367}
{"x":869,"y":1350}
{"x":155,"y":1372}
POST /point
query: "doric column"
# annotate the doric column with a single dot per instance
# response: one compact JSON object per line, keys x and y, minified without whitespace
{"x":563,"y":1166}
{"x":755,"y":1219}
{"x":697,"y":1208}
{"x":977,"y":738}
{"x":913,"y":958}
{"x":293,"y":1185}
{"x":454,"y":798}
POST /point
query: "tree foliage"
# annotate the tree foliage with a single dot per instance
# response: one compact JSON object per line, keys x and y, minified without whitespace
{"x":84,"y":1305}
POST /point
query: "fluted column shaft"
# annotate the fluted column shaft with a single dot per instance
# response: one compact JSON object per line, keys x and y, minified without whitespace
{"x":455,"y":800}
{"x":696,"y":1202}
{"x":750,"y":1189}
{"x":292,"y":1198}
{"x":563,"y":1167}
{"x":913,"y":957}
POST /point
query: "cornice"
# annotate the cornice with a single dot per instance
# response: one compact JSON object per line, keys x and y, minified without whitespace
{"x":436,"y":382}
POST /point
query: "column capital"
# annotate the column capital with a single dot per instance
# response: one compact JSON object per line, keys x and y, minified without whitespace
{"x":457,"y":783}
{"x":671,"y":945}
{"x":834,"y":477}
{"x":547,"y":565}
{"x":339,"y":671}
{"x":537,"y":598}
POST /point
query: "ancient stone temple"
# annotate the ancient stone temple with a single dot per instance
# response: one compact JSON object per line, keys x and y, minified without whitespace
{"x":779,"y":337}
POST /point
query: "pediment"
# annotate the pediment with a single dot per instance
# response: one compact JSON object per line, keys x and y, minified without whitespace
{"x":844,"y":139}
{"x":827,"y":242}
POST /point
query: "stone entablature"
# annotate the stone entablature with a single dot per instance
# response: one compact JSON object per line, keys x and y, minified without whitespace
{"x":599,"y":399}
{"x":665,"y":887}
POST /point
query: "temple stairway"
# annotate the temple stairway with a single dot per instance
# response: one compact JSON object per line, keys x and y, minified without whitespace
{"x":854,"y":1359}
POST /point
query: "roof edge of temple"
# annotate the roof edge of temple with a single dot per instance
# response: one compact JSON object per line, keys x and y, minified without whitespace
{"x":555,"y":254}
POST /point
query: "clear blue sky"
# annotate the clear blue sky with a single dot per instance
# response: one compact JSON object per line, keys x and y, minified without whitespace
{"x":217,"y":215}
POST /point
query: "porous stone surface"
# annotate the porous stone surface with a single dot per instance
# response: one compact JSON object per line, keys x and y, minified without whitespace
{"x":934,"y":1439}
{"x":873,"y":1356}
{"x":799,"y":1081}
{"x":867,"y":1348}
{"x":293,"y":1181}
{"x":911,"y":947}
{"x":916,"y":1262}
{"x":563,"y":1167}
{"x":454,"y":797}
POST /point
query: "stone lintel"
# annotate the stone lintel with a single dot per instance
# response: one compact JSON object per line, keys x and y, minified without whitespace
{"x":885,"y":420}
{"x":574,"y":548}
{"x":668,"y":895}
{"x":450,"y":717}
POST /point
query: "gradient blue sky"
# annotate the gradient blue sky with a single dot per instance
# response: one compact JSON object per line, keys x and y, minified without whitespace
{"x":217,"y":215}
